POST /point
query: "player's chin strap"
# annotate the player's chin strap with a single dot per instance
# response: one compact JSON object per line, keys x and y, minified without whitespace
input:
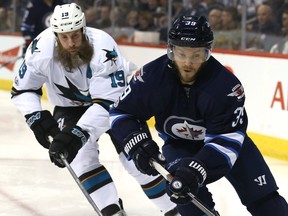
{"x":162,"y":171}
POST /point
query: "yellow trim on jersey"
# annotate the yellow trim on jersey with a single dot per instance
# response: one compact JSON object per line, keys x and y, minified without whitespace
{"x":269,"y":146}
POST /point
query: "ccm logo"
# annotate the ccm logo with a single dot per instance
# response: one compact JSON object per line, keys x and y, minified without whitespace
{"x":187,"y":39}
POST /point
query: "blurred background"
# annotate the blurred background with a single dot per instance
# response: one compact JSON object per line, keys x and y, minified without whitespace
{"x":243,"y":25}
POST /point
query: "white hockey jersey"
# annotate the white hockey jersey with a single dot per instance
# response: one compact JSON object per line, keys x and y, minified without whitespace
{"x":102,"y":80}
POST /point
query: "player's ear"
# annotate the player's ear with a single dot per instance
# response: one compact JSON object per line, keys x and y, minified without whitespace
{"x":170,"y":53}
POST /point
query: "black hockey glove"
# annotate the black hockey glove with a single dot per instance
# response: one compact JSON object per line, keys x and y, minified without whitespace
{"x":141,"y":148}
{"x":189,"y":176}
{"x":68,"y":143}
{"x":43,"y":125}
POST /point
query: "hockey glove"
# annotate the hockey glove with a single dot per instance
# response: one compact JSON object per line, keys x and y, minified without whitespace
{"x":189,"y":176}
{"x":68,"y":143}
{"x":43,"y":125}
{"x":141,"y":148}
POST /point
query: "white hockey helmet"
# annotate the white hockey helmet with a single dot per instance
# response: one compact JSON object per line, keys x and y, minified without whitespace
{"x":67,"y":18}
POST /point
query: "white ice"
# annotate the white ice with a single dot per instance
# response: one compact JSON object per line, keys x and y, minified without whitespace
{"x":30,"y":185}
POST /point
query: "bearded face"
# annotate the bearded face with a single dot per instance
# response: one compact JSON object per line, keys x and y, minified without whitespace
{"x":73,"y":49}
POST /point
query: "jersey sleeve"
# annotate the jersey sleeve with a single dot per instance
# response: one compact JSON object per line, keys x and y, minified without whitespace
{"x":110,"y":68}
{"x":28,"y":22}
{"x":27,"y":88}
{"x":135,"y":106}
{"x":32,"y":74}
{"x":108,"y":81}
{"x":226,"y":124}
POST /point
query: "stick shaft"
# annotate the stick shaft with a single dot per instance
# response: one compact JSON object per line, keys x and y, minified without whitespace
{"x":162,"y":171}
{"x":10,"y":62}
{"x":75,"y":177}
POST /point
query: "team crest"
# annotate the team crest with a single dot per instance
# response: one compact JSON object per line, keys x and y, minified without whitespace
{"x":78,"y":97}
{"x":184,"y":128}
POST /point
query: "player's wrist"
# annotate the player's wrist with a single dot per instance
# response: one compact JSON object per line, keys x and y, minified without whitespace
{"x":197,"y":167}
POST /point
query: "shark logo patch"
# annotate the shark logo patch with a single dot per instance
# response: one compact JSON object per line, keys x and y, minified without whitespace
{"x":111,"y":56}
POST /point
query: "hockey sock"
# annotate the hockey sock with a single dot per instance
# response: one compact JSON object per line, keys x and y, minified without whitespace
{"x":155,"y":188}
{"x":272,"y":204}
{"x":95,"y":179}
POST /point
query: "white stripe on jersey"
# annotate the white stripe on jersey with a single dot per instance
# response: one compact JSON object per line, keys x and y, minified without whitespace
{"x":230,"y":155}
{"x":236,"y":137}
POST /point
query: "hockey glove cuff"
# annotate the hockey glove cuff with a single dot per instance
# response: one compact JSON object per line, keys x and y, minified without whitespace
{"x":68,"y":143}
{"x":43,"y":125}
{"x":189,"y":176}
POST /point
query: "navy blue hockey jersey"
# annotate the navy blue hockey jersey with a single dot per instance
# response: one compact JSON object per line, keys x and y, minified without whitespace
{"x":205,"y":118}
{"x":37,"y":17}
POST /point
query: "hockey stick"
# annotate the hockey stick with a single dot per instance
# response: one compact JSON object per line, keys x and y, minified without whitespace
{"x":79,"y":184}
{"x":10,"y":62}
{"x":162,"y":171}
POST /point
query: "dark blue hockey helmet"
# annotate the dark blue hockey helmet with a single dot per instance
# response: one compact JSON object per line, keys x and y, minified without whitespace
{"x":191,"y":31}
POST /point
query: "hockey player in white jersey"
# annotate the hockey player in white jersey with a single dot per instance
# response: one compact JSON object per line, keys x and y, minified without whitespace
{"x":84,"y":72}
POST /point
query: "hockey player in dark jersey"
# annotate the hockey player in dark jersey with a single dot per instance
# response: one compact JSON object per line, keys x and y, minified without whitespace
{"x":37,"y":18}
{"x":199,"y":112}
